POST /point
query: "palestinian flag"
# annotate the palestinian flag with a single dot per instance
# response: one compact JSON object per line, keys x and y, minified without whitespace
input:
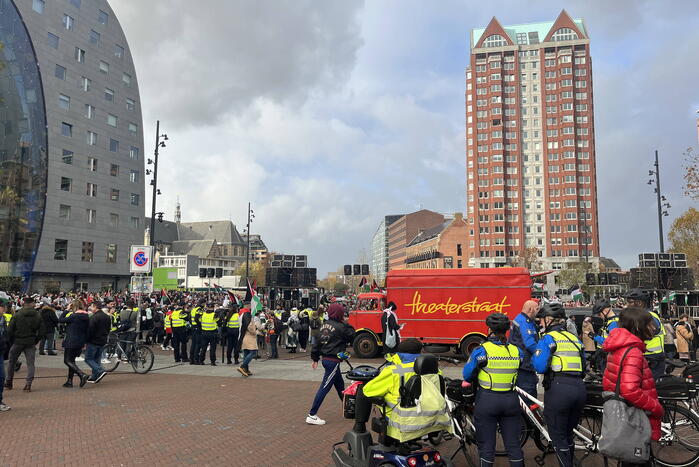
{"x":164,"y":297}
{"x":362,"y":282}
{"x":668,"y":298}
{"x":576,"y":292}
{"x":537,"y":287}
{"x":255,"y":304}
{"x":233,"y":298}
{"x":375,"y":286}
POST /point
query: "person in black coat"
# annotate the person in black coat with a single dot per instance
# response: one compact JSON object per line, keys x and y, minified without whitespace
{"x":48,"y":315}
{"x":77,"y":322}
{"x":389,"y":323}
{"x":97,"y":335}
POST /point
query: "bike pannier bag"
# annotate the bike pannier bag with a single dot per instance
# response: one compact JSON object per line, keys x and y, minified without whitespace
{"x":674,"y":387}
{"x":692,"y":371}
{"x":625,"y":428}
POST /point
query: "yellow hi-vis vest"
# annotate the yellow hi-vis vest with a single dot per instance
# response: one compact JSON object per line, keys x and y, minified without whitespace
{"x":605,"y":328}
{"x":208,"y":321}
{"x":656,"y":344}
{"x":115,"y":319}
{"x":176,"y":319}
{"x":566,"y":358}
{"x":234,"y":321}
{"x":8,"y":318}
{"x":405,"y":424}
{"x":500,"y":373}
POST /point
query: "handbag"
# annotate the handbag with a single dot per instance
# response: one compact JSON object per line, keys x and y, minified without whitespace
{"x":626,"y":429}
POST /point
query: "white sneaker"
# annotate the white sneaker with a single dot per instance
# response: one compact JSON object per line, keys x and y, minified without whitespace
{"x":79,"y":359}
{"x":106,"y":360}
{"x":314,"y":420}
{"x":170,"y":348}
{"x":4,"y":407}
{"x":162,"y":347}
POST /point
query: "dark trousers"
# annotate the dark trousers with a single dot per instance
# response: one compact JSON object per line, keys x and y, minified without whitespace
{"x":208,"y":338}
{"x":168,"y":340}
{"x":563,"y":404}
{"x":332,"y":377}
{"x":303,"y":338}
{"x":194,"y":347}
{"x":69,"y":356}
{"x":656,"y":362}
{"x":527,"y":381}
{"x":232,"y":344}
{"x":179,"y":342}
{"x":493,"y":409}
{"x":670,"y":351}
{"x":29,"y":353}
{"x":273,"y":346}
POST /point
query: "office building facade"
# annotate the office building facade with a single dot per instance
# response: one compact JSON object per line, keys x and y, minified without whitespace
{"x":378,"y":264}
{"x":404,"y":229}
{"x":91,"y":157}
{"x":530,"y":143}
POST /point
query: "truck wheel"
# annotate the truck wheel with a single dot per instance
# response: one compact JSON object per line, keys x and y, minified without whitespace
{"x":469,"y":345}
{"x":365,"y":346}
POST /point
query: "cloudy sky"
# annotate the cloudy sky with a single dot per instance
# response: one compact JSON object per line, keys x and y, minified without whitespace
{"x":327,"y":115}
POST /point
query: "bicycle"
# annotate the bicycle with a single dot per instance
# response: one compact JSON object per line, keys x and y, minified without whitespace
{"x":139,"y":355}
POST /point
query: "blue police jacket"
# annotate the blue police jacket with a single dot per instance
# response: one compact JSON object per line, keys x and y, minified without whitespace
{"x":612,"y":325}
{"x":541,"y":360}
{"x":479,"y":359}
{"x":524,"y":333}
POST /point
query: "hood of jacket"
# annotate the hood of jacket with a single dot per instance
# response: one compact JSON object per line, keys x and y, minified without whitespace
{"x":621,"y":338}
{"x":403,"y":358}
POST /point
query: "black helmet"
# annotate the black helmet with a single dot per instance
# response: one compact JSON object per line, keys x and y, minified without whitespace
{"x":638,"y":294}
{"x":554,"y":310}
{"x":600,"y":305}
{"x":498,"y":322}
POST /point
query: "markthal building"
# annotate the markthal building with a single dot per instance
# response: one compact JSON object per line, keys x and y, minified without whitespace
{"x":71,"y":147}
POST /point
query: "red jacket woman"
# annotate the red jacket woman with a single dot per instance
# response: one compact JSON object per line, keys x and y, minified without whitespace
{"x":637,"y":385}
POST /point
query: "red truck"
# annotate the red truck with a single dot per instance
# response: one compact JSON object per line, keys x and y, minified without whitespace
{"x":445,"y":307}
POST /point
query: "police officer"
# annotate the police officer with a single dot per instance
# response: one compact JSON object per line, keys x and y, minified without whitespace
{"x":232,"y":334}
{"x":195,"y":333}
{"x":561,"y":358}
{"x":603,"y":308}
{"x":524,"y":334}
{"x":495,"y":366}
{"x":655,"y":346}
{"x":177,"y":322}
{"x":209,"y":334}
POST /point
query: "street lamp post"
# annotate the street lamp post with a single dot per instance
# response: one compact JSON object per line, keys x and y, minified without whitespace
{"x":158,"y":144}
{"x":251,"y":216}
{"x":663,"y":204}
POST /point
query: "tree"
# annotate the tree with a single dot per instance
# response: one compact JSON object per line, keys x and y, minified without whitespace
{"x":529,"y":258}
{"x":257,"y":272}
{"x":684,"y":237}
{"x":691,"y":173}
{"x":340,"y":288}
{"x":574,"y":274}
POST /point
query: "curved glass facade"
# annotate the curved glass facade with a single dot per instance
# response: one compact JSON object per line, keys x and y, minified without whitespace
{"x":23,"y":147}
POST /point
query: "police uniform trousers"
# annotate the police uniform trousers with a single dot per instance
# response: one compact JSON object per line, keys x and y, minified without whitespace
{"x":194,"y":347}
{"x":564,"y":401}
{"x":208,"y":338}
{"x":495,"y":408}
{"x":527,"y":381}
{"x":232,"y":344}
{"x":179,"y":343}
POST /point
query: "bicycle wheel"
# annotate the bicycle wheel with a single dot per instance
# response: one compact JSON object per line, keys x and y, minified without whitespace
{"x":523,"y":436}
{"x":679,"y":438}
{"x":110,"y":357}
{"x":142,"y":359}
{"x":587,"y":433}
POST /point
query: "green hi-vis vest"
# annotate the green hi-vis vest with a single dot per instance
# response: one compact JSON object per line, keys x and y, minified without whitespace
{"x":656,"y":344}
{"x":176,"y":319}
{"x":233,"y":321}
{"x":567,"y":357}
{"x":208,"y":321}
{"x":500,"y":373}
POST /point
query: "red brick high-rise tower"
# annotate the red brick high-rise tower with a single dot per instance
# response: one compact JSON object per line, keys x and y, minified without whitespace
{"x":530,"y":144}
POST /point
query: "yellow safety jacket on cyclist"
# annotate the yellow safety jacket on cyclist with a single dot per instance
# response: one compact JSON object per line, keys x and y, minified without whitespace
{"x":500,"y":373}
{"x":566,"y":358}
{"x":656,"y":344}
{"x":208,"y":321}
{"x":405,"y":424}
{"x":177,"y":319}
{"x":114,"y":319}
{"x":234,"y":321}
{"x":8,"y":318}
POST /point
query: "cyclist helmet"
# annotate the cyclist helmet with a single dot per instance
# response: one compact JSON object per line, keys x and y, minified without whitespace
{"x":554,"y":310}
{"x":638,"y":294}
{"x":600,"y":305}
{"x":498,"y":322}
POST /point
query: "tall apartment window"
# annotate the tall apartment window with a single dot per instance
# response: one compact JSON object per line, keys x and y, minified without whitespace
{"x":64,"y":102}
{"x":104,"y":67}
{"x":114,"y":220}
{"x":66,"y":129}
{"x":66,"y":183}
{"x":102,"y":17}
{"x":92,"y":164}
{"x":79,"y":55}
{"x":133,"y":152}
{"x":92,"y":138}
{"x":89,"y":111}
{"x":38,"y":5}
{"x":94,"y":37}
{"x":126,"y":79}
{"x":135,"y":223}
{"x":85,"y":84}
{"x":114,"y":194}
{"x":60,"y":72}
{"x":111,"y":252}
{"x":133,"y":176}
{"x":60,"y":250}
{"x":135,"y":199}
{"x":67,"y":157}
{"x":112,"y":120}
{"x":88,"y":251}
{"x":108,"y":95}
{"x":113,"y":145}
{"x":114,"y":170}
{"x":458,"y":249}
{"x":118,"y":51}
{"x":53,"y":40}
{"x":130,"y":104}
{"x":91,"y":216}
{"x":133,"y":129}
{"x":64,"y":212}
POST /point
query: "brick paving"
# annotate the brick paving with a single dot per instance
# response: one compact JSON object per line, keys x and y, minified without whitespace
{"x":164,"y":419}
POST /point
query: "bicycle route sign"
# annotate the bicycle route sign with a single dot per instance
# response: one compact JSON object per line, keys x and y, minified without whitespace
{"x":141,"y":259}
